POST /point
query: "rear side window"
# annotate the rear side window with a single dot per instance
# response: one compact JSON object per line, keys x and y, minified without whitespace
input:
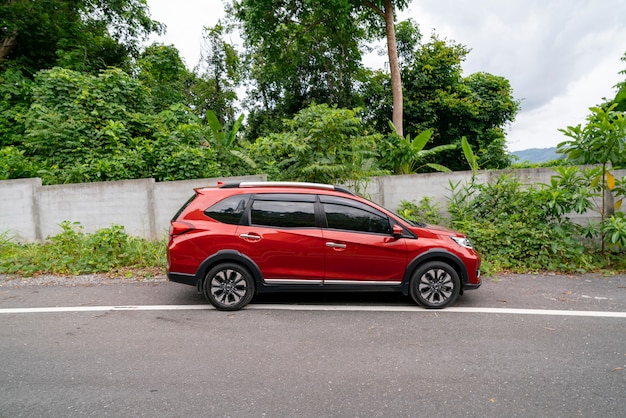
{"x":283,"y":214}
{"x":183,"y":207}
{"x":229,"y":210}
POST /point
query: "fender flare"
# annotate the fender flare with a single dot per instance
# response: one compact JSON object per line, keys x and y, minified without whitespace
{"x":439,"y":254}
{"x":232,"y":256}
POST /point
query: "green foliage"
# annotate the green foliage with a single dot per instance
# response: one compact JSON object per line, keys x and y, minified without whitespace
{"x":76,"y":116}
{"x":405,"y":155}
{"x":218,"y":76}
{"x":163,"y":72}
{"x":78,"y":102}
{"x":298,"y":53}
{"x":426,"y":211}
{"x":438,"y":97}
{"x":614,"y":229}
{"x":84,"y":35}
{"x":72,"y":251}
{"x":99,"y":128}
{"x":470,"y":156}
{"x":14,"y":102}
{"x":476,"y":107}
{"x":320,"y":144}
{"x":223,"y":140}
{"x":14,"y":165}
{"x":603,"y":141}
{"x":600,"y":141}
{"x":567,"y":192}
{"x":521,"y":227}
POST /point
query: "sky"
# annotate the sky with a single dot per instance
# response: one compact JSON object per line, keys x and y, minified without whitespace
{"x":561,"y":56}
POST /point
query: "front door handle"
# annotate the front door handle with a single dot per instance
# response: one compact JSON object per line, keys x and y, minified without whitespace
{"x":336,"y":245}
{"x":250,"y":237}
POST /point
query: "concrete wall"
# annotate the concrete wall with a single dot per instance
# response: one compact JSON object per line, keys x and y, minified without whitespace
{"x":32,"y":212}
{"x":18,"y":208}
{"x":390,"y":191}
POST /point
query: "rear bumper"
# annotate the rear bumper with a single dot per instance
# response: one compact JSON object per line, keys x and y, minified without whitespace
{"x":188,"y":279}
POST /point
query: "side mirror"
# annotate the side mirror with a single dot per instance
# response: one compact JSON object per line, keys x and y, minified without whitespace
{"x":398,"y":231}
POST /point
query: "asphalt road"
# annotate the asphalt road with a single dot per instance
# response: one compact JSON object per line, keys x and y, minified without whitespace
{"x":520,"y":346}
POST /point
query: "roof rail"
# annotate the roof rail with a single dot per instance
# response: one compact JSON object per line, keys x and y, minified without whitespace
{"x":295,"y":184}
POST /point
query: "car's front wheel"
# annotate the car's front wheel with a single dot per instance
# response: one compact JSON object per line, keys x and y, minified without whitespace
{"x":228,"y":287}
{"x":435,"y":285}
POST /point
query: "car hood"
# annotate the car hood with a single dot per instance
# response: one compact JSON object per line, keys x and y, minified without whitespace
{"x":439,"y":230}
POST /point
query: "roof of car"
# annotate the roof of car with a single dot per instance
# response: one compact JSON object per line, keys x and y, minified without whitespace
{"x":293,"y":184}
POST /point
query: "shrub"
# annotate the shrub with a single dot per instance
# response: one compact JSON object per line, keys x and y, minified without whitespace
{"x":72,"y":251}
{"x":520,"y":228}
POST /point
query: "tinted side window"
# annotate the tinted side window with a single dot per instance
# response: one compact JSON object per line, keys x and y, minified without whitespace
{"x":183,"y":207}
{"x":348,"y":217}
{"x":283,"y":214}
{"x":229,"y":210}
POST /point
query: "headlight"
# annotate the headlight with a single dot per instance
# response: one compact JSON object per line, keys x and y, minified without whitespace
{"x":463,"y":242}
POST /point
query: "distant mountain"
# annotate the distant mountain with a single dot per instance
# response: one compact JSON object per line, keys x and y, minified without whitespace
{"x":537,"y":155}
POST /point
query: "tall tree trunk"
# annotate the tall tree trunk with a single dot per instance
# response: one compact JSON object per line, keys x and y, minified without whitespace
{"x":394,"y":68}
{"x":9,"y":41}
{"x":7,"y":46}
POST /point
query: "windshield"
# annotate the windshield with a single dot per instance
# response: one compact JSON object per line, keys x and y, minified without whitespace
{"x":410,"y":222}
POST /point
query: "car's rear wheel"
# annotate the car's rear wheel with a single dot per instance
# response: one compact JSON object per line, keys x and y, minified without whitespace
{"x":228,"y":287}
{"x":435,"y":285}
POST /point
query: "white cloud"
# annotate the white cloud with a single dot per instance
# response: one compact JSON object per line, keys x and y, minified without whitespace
{"x":538,"y":127}
{"x":561,"y":56}
{"x":185,"y":20}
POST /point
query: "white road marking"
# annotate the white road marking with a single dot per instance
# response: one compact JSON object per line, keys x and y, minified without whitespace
{"x":349,"y":308}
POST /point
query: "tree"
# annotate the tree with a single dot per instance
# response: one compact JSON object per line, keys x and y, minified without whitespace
{"x":385,"y":8}
{"x":162,"y":71}
{"x":218,"y":76}
{"x":477,"y":107}
{"x":85,"y":35}
{"x":601,"y":141}
{"x":81,"y":127}
{"x":438,"y":97}
{"x":15,"y":92}
{"x":302,"y":52}
{"x":320,"y":144}
{"x":298,"y":53}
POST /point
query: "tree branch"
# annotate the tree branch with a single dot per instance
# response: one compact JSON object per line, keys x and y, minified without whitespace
{"x":372,"y":6}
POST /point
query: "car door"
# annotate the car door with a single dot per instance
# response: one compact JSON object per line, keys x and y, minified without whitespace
{"x":359,"y":245}
{"x":282,"y":238}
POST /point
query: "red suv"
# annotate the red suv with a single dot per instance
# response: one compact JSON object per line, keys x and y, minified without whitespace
{"x":237,"y":240}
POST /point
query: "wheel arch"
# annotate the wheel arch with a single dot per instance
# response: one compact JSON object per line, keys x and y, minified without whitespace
{"x":228,"y":256}
{"x":435,"y":254}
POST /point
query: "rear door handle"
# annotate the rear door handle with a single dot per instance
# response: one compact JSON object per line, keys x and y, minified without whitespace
{"x":335,"y":245}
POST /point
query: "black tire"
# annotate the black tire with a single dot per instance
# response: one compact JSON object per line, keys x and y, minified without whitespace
{"x":228,"y":287}
{"x":435,"y":285}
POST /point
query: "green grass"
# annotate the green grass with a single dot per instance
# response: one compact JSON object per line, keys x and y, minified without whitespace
{"x":73,"y":252}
